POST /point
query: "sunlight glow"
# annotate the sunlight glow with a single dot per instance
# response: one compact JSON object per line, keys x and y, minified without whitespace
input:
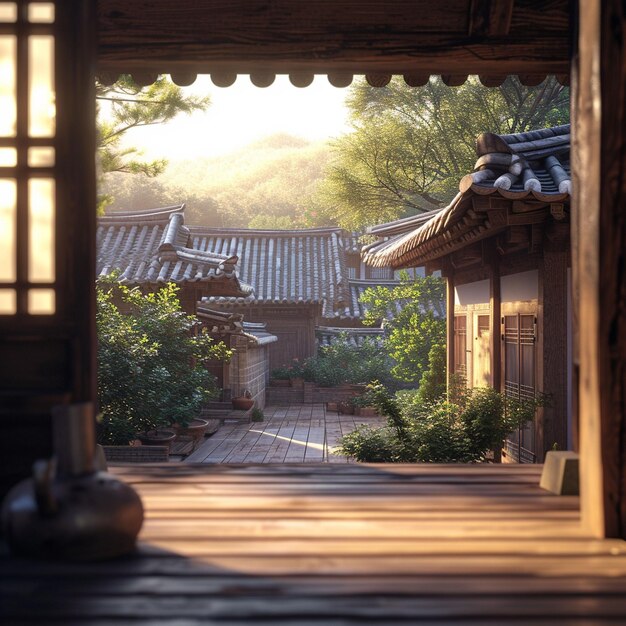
{"x":8,"y":105}
{"x":241,"y":114}
{"x":41,"y":111}
{"x":8,"y":211}
{"x":41,"y":301}
{"x":307,"y":444}
{"x":8,"y":302}
{"x":41,"y":203}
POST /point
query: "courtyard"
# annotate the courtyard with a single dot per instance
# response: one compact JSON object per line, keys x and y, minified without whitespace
{"x":298,"y":433}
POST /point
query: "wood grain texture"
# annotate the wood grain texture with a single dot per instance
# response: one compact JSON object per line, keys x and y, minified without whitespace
{"x":612,"y":263}
{"x":600,"y":226}
{"x":342,"y":544}
{"x":394,"y":37}
{"x":553,"y":368}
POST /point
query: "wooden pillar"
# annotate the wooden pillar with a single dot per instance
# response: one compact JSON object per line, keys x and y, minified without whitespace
{"x":552,"y":425}
{"x":599,"y":225}
{"x":495,"y":315}
{"x":449,"y":324}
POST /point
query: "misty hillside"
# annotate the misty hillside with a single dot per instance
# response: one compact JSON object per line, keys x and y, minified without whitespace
{"x":269,"y":183}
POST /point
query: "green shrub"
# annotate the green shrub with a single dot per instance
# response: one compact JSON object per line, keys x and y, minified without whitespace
{"x":343,"y":362}
{"x":437,"y":432}
{"x":433,"y":382}
{"x":256,"y":415}
{"x":414,"y":314}
{"x":151,"y":369}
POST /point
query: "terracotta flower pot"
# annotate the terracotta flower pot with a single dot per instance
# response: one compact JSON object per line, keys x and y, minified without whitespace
{"x":194,"y":430}
{"x":242,"y":404}
{"x":159,"y":437}
{"x":347,"y":408}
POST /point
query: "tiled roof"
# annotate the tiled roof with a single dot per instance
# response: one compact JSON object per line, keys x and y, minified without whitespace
{"x":357,"y":288}
{"x":230,"y":323}
{"x":287,"y":266}
{"x":531,"y":166}
{"x":152,"y":247}
{"x":326,"y":335}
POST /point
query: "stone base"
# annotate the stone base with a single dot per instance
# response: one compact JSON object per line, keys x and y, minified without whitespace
{"x":560,"y":473}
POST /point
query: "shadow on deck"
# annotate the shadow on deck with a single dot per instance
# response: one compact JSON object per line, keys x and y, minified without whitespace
{"x":340,"y":544}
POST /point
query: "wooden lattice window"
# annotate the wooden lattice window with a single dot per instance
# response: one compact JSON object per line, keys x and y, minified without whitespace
{"x":460,"y":345}
{"x":519,"y":377}
{"x":28,"y":259}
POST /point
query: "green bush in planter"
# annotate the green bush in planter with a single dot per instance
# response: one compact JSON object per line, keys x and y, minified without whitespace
{"x":440,"y":431}
{"x":344,"y":362}
{"x":151,"y":358}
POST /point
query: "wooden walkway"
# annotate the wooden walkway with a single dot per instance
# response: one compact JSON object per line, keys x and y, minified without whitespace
{"x":303,"y":433}
{"x":336,"y":544}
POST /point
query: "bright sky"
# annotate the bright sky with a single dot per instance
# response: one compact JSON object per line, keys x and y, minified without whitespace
{"x":241,"y":114}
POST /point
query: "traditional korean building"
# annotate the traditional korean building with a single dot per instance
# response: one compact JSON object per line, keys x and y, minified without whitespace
{"x":291,"y":281}
{"x":503,"y":244}
{"x":300,"y":279}
{"x":151,"y":248}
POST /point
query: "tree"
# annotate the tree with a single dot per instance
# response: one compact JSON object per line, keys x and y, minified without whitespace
{"x":410,"y":146}
{"x":414,"y":315}
{"x":132,"y":106}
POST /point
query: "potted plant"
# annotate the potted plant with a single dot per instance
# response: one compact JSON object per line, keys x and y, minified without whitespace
{"x":296,"y":373}
{"x":244,"y":402}
{"x":151,"y":373}
{"x":280,"y":377}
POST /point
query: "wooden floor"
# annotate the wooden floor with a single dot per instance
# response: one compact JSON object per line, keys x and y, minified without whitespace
{"x":336,"y":544}
{"x":300,"y":433}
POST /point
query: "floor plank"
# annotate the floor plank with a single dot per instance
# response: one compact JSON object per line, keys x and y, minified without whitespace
{"x":333,"y":543}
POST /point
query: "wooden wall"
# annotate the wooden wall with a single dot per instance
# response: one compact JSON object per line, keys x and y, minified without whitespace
{"x":48,"y":360}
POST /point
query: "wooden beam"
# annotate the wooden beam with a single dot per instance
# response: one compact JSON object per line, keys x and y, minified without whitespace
{"x":490,"y":18}
{"x":599,"y":225}
{"x":413,"y":37}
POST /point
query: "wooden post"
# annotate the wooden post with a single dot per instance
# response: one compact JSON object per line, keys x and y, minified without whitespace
{"x":599,"y":222}
{"x":553,"y":320}
{"x":449,"y":324}
{"x":495,"y":315}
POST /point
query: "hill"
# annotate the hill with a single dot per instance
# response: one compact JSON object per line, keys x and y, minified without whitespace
{"x":269,"y":183}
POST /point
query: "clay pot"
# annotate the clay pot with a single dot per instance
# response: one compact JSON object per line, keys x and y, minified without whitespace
{"x":347,"y":408}
{"x":194,"y":430}
{"x":159,"y":437}
{"x":242,"y":403}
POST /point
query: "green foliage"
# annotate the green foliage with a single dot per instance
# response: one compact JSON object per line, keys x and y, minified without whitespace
{"x":433,"y":382}
{"x":267,"y":184}
{"x":344,"y":362}
{"x":295,"y":370}
{"x":256,"y":415}
{"x":151,"y":369}
{"x":438,"y":432}
{"x":410,"y":146}
{"x":132,"y":106}
{"x":414,"y":314}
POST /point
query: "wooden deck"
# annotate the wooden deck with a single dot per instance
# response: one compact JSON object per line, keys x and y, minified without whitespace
{"x":336,"y":544}
{"x":302,"y":433}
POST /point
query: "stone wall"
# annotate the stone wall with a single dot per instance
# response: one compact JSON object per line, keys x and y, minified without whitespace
{"x":249,"y":370}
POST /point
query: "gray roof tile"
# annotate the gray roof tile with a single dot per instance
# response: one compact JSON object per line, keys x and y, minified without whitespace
{"x":151,"y":247}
